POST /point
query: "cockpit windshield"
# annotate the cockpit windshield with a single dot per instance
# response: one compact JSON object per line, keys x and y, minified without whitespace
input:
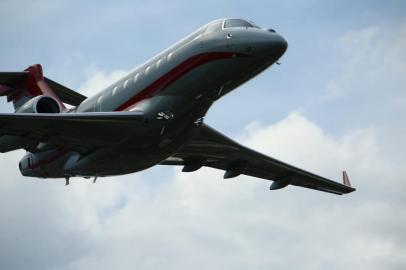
{"x":238,"y":23}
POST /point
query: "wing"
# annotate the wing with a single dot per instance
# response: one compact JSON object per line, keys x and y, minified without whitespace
{"x":212,"y":149}
{"x":81,"y":132}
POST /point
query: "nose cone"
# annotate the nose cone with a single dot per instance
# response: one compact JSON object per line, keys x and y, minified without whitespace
{"x":271,"y":45}
{"x":276,"y":45}
{"x":280,"y":45}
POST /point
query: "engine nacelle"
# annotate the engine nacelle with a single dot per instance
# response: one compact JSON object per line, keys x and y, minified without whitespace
{"x":40,"y":104}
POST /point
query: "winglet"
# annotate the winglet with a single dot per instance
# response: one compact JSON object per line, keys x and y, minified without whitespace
{"x":346,"y":180}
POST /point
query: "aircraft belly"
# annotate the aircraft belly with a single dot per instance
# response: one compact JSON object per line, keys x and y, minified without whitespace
{"x":135,"y":153}
{"x":123,"y":160}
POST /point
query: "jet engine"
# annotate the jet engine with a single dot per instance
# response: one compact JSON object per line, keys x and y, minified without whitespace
{"x":40,"y":104}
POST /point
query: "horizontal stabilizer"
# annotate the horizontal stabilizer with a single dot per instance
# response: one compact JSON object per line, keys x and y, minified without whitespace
{"x":67,"y":95}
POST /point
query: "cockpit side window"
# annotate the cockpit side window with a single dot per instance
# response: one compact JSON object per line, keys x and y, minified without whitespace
{"x":238,"y":23}
{"x":214,"y":27}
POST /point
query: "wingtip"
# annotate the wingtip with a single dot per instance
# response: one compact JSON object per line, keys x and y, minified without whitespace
{"x":346,"y":180}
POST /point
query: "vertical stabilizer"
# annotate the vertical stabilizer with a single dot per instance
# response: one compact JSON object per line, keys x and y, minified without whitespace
{"x":19,"y":87}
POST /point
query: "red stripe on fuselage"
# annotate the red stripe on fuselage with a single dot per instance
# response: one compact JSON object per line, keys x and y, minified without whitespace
{"x":175,"y":74}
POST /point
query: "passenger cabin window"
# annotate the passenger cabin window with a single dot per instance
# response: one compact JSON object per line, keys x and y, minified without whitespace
{"x":158,"y":63}
{"x":136,"y":77}
{"x":99,"y":104}
{"x":125,"y":84}
{"x":147,"y":70}
{"x":238,"y":23}
{"x":115,"y":90}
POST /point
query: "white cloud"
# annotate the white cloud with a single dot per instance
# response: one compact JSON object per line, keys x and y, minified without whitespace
{"x":99,"y":80}
{"x":199,"y":220}
{"x":297,"y":139}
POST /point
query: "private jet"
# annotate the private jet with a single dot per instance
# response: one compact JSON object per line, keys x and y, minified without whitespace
{"x":152,"y":116}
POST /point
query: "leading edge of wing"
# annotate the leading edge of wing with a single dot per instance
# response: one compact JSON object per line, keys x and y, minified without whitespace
{"x":209,"y":140}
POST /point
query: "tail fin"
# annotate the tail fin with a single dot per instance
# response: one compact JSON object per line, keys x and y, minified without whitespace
{"x":19,"y":87}
{"x":346,"y":180}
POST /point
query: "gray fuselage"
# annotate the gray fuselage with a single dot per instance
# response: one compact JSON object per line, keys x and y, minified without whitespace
{"x":174,"y":89}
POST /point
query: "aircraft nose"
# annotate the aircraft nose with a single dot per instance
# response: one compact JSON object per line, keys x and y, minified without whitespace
{"x":278,"y":45}
{"x":282,"y":44}
{"x":272,"y":45}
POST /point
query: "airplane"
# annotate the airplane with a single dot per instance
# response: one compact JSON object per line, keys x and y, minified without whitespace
{"x":152,"y":116}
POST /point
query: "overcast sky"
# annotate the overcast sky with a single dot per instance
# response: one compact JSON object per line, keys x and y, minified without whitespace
{"x":338,"y":101}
